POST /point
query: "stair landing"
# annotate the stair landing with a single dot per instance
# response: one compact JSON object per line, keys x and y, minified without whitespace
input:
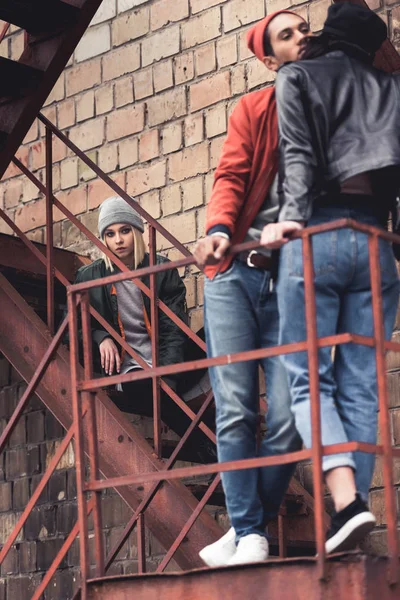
{"x":349,"y":577}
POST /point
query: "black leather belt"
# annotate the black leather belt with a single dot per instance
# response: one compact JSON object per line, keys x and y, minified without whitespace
{"x":256,"y":260}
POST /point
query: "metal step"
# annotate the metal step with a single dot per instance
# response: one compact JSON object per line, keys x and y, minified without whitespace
{"x":38,"y":16}
{"x":19,"y":79}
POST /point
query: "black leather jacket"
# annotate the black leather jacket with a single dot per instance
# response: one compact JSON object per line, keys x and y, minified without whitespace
{"x":170,"y":289}
{"x":338,"y":117}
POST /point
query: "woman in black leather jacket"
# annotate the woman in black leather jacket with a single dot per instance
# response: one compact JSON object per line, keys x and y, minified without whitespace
{"x":127,"y":309}
{"x":340,"y":150}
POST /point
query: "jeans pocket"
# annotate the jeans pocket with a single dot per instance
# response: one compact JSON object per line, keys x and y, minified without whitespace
{"x":324,"y":255}
{"x":387,"y":262}
{"x":220,"y":276}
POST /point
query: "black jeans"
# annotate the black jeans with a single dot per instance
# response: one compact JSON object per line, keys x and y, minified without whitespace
{"x":138,"y":399}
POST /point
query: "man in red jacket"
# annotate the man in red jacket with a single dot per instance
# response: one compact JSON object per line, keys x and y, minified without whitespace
{"x":240,"y":304}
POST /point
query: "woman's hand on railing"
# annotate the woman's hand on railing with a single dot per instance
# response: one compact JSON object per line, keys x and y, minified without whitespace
{"x":275,"y":235}
{"x":109,"y":356}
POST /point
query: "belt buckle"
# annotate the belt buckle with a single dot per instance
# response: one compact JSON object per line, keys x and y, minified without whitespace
{"x":250,"y":264}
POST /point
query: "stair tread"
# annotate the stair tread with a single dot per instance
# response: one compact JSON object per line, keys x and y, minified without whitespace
{"x":38,"y":16}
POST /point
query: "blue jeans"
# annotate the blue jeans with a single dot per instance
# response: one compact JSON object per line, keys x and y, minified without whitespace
{"x":348,"y":389}
{"x":241,"y":314}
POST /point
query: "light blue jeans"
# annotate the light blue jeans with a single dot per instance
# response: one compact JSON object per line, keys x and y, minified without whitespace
{"x":241,"y":314}
{"x":348,"y":388}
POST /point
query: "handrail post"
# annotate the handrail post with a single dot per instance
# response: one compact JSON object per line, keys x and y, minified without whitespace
{"x":141,"y":544}
{"x":383,"y":403}
{"x":313,"y":369}
{"x":79,"y":447}
{"x":49,"y":231}
{"x":93,"y":448}
{"x":154,"y":343}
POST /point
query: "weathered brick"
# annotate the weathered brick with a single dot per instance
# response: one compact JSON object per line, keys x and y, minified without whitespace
{"x":171,"y":137}
{"x":10,"y":564}
{"x":240,"y":12}
{"x":124,"y":5}
{"x":189,"y":162}
{"x":32,"y":133}
{"x":216,"y":121}
{"x":22,"y":587}
{"x":183,"y":68}
{"x":122,"y":61}
{"x":5,"y":497}
{"x":88,"y":135}
{"x":192,"y":193}
{"x":123,"y":91}
{"x":318,"y":12}
{"x":63,"y":585}
{"x":163,"y":44}
{"x":12,"y":170}
{"x":194,"y":129}
{"x":128,"y":151}
{"x":108,"y":158}
{"x":244,"y":50}
{"x":67,"y":515}
{"x":163,"y":76}
{"x":104,"y":99}
{"x":238,"y":80}
{"x":85,"y":106}
{"x":95,"y":41}
{"x":148,"y":145}
{"x":143,"y":83}
{"x":166,"y":106}
{"x":13,"y":192}
{"x":98,"y":191}
{"x":35,"y":427}
{"x":7,"y":524}
{"x":125,"y":121}
{"x":46,"y":551}
{"x":85,"y":172}
{"x":227,"y":52}
{"x":201,"y":29}
{"x":83,"y":77}
{"x":74,"y":200}
{"x":22,"y":462}
{"x":18,"y":436}
{"x":31,"y":215}
{"x":205,"y":59}
{"x":53,"y":428}
{"x":171,"y":199}
{"x":210,"y":90}
{"x":69,"y":173}
{"x":131,"y":26}
{"x":20,"y":493}
{"x":151,"y":203}
{"x":168,"y":11}
{"x":182,"y":226}
{"x":66,"y":113}
{"x":142,"y":180}
{"x":396,"y":426}
{"x":115,"y":511}
{"x":41,"y":523}
{"x":27,"y":557}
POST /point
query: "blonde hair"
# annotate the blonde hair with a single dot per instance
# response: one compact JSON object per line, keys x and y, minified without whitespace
{"x":139,"y":249}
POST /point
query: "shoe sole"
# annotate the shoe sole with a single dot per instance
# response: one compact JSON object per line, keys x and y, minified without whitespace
{"x":351,"y":533}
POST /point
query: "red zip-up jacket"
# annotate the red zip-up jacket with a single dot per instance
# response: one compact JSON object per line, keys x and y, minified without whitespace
{"x":246,"y":170}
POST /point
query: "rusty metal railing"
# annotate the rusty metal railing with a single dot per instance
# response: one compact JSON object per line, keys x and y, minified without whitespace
{"x":84,"y":407}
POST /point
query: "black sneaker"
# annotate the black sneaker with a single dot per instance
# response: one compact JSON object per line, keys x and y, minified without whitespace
{"x":349,"y":526}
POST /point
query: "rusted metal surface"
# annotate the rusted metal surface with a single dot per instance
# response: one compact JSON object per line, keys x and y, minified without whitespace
{"x":49,"y":55}
{"x":313,"y":373}
{"x":154,"y":343}
{"x":49,"y":232}
{"x":92,"y":434}
{"x":122,"y":449}
{"x":383,"y":403}
{"x":13,"y":254}
{"x":354,"y":577}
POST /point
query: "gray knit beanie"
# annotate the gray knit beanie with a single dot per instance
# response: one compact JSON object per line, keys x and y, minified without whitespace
{"x":117,"y":210}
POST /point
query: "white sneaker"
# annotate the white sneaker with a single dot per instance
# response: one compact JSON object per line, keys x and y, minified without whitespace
{"x":250,"y":549}
{"x":219,"y":553}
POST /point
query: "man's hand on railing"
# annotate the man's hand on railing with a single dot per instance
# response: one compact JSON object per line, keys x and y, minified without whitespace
{"x":210,"y":250}
{"x":109,"y":356}
{"x":275,"y":235}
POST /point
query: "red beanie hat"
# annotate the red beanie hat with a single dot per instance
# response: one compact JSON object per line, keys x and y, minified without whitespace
{"x":255,"y":35}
